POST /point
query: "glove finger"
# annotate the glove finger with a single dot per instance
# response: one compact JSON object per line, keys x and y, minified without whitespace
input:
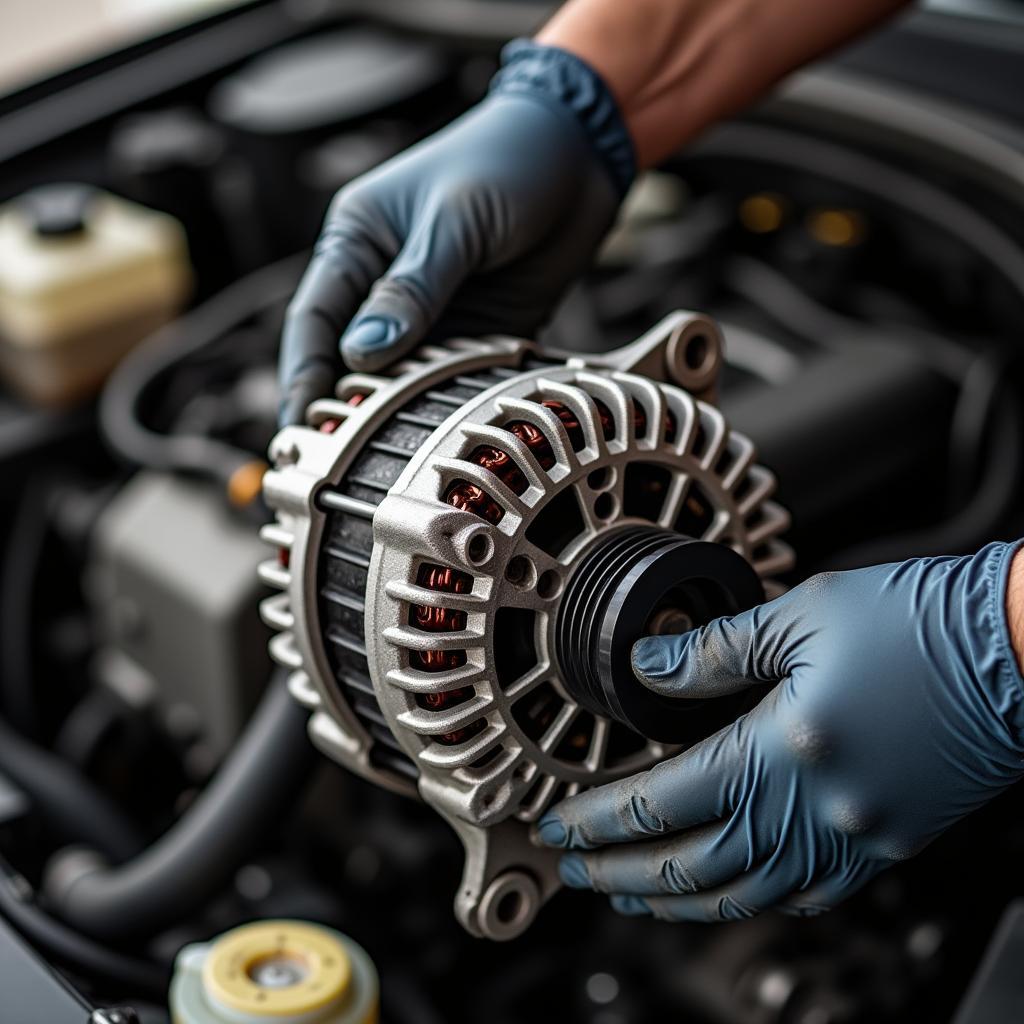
{"x":725,"y":656}
{"x":344,"y":265}
{"x":402,"y":306}
{"x":695,"y":861}
{"x":630,"y":906}
{"x":752,"y":893}
{"x":690,"y":789}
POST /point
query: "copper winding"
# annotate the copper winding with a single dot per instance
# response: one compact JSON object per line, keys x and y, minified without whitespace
{"x":640,"y":422}
{"x":604,"y":414}
{"x":446,"y":698}
{"x":437,"y":661}
{"x":451,"y":581}
{"x":500,"y":463}
{"x":470,"y":498}
{"x":569,"y":421}
{"x":535,"y":440}
{"x":450,"y":739}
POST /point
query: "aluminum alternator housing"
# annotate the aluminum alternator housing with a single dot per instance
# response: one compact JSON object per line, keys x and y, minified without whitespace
{"x":429,"y":521}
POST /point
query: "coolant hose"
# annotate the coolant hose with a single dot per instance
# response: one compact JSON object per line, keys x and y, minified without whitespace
{"x":230,"y":820}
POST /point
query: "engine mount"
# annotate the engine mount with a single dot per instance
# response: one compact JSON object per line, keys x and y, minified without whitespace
{"x":468,"y":545}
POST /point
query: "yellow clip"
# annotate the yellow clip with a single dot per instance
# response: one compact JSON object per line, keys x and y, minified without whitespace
{"x":245,"y":483}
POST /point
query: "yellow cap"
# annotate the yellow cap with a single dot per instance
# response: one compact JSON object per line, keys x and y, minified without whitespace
{"x":277,"y":969}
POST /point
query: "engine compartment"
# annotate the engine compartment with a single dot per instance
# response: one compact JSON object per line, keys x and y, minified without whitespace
{"x":858,"y":241}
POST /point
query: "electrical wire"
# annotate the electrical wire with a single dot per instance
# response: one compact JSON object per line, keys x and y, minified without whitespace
{"x":122,"y":412}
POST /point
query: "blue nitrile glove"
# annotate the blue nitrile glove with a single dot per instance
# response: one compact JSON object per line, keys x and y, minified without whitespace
{"x":896,"y":710}
{"x":479,"y":228}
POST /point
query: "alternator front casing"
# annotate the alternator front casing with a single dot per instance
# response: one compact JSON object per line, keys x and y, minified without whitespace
{"x":428,"y":522}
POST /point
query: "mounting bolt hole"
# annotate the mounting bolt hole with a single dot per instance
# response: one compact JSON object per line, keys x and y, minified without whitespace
{"x":479,"y":549}
{"x":509,"y":907}
{"x":521,"y":572}
{"x":600,"y":478}
{"x":549,"y":585}
{"x":605,"y":506}
{"x":695,"y":353}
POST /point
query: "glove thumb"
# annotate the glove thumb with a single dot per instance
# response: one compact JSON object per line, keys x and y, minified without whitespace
{"x":725,"y":656}
{"x":406,"y":302}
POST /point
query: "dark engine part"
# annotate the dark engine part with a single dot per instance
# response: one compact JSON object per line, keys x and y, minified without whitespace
{"x":814,"y":427}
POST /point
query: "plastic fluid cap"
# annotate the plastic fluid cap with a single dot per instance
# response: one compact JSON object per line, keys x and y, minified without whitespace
{"x":287,"y":972}
{"x":54,"y":211}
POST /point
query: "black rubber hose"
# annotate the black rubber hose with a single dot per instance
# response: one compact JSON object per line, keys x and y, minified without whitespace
{"x":230,"y":820}
{"x":25,"y":541}
{"x":129,"y":389}
{"x":73,"y":950}
{"x":73,"y":809}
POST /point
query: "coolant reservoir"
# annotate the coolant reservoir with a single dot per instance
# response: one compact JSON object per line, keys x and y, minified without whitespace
{"x":84,"y":275}
{"x":278,"y":972}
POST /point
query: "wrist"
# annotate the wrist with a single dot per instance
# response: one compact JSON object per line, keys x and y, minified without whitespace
{"x":565,"y":81}
{"x":677,"y":66}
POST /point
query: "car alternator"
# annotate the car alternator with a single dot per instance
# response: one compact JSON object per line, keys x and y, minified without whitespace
{"x":469,"y":543}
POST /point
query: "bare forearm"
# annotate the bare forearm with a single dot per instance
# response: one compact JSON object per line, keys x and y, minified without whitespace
{"x":676,"y":66}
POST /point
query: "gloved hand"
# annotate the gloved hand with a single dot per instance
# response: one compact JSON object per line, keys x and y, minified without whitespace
{"x":896,"y":710}
{"x":477,"y":229}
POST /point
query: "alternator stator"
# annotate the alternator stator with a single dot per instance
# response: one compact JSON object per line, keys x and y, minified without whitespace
{"x":469,"y":544}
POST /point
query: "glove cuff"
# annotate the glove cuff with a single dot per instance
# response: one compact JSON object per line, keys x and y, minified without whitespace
{"x":557,"y":76}
{"x":987,"y":645}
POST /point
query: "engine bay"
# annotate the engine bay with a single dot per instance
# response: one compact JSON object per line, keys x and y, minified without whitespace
{"x":174,"y":571}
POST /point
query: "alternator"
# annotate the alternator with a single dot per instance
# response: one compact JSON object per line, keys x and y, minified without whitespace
{"x":469,"y":544}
